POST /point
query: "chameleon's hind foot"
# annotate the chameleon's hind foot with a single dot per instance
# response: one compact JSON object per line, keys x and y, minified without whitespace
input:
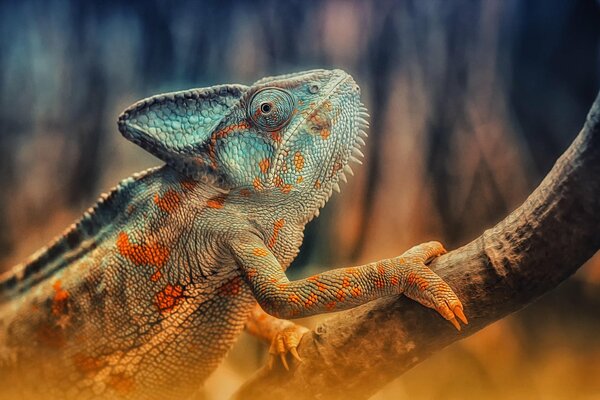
{"x":426,"y":287}
{"x":286,"y":341}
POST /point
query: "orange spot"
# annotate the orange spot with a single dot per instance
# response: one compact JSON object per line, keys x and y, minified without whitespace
{"x":156,"y":276}
{"x":168,"y":298}
{"x":168,"y":202}
{"x":411,"y":278}
{"x":311,"y":300}
{"x":298,"y":161}
{"x":231,"y":288}
{"x":352,"y":271}
{"x":340,"y":295}
{"x":420,"y":282}
{"x":59,"y":302}
{"x":327,"y":105}
{"x":278,"y":181}
{"x":142,"y":254}
{"x":277,"y":225}
{"x":330,"y":306}
{"x":264,"y":165}
{"x":394,"y":280}
{"x":321,"y":286}
{"x":286,"y":189}
{"x":299,"y":179}
{"x":245,"y":193}
{"x":346,"y":282}
{"x":356,"y":291}
{"x":320,"y":120}
{"x":317,"y":184}
{"x":257,"y":184}
{"x":260,"y":252}
{"x":380,"y":269}
{"x":294,"y":298}
{"x":216,"y":201}
{"x":252,"y":272}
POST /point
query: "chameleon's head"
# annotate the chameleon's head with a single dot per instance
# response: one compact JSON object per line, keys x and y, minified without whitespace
{"x":287,"y":135}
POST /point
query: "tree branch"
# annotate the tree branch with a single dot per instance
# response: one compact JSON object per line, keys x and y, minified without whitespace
{"x":355,"y":353}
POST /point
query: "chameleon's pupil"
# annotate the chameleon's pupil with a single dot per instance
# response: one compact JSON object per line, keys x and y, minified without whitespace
{"x":265,"y":108}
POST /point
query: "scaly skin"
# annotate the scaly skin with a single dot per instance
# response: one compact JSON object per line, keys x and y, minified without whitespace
{"x":142,"y":297}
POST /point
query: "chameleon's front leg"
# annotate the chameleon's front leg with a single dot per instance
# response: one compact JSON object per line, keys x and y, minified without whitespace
{"x":345,"y":288}
{"x":282,"y":335}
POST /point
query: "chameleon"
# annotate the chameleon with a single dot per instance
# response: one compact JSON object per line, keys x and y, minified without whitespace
{"x":143,"y":296}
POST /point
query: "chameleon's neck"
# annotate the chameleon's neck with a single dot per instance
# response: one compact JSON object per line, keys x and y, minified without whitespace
{"x":81,"y":237}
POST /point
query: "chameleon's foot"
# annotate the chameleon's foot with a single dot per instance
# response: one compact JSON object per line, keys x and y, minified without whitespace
{"x":426,"y":287}
{"x":286,"y":341}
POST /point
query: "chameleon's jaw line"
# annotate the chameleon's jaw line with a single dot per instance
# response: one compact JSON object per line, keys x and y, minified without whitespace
{"x":356,"y":155}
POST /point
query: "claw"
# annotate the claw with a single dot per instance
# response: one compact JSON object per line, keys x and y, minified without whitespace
{"x":459,"y":313}
{"x":455,"y":323}
{"x":284,"y":361}
{"x":295,"y":354}
{"x":286,"y":341}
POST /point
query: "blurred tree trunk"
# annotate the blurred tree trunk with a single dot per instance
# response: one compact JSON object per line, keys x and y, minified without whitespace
{"x":530,"y":252}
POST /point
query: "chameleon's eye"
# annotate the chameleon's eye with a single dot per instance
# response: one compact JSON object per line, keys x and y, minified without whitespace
{"x":271,"y":108}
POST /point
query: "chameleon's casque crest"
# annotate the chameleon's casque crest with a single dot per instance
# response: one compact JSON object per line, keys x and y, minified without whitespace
{"x":173,"y":126}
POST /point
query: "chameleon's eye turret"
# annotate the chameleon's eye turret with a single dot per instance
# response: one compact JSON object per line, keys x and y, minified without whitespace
{"x":271,"y":108}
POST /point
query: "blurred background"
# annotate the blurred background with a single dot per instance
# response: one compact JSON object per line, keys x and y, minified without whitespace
{"x":471,"y":104}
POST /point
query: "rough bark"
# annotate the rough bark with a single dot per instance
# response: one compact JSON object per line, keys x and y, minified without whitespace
{"x":539,"y":245}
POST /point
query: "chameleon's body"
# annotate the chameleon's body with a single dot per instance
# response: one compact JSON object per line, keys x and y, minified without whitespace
{"x":144,"y":295}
